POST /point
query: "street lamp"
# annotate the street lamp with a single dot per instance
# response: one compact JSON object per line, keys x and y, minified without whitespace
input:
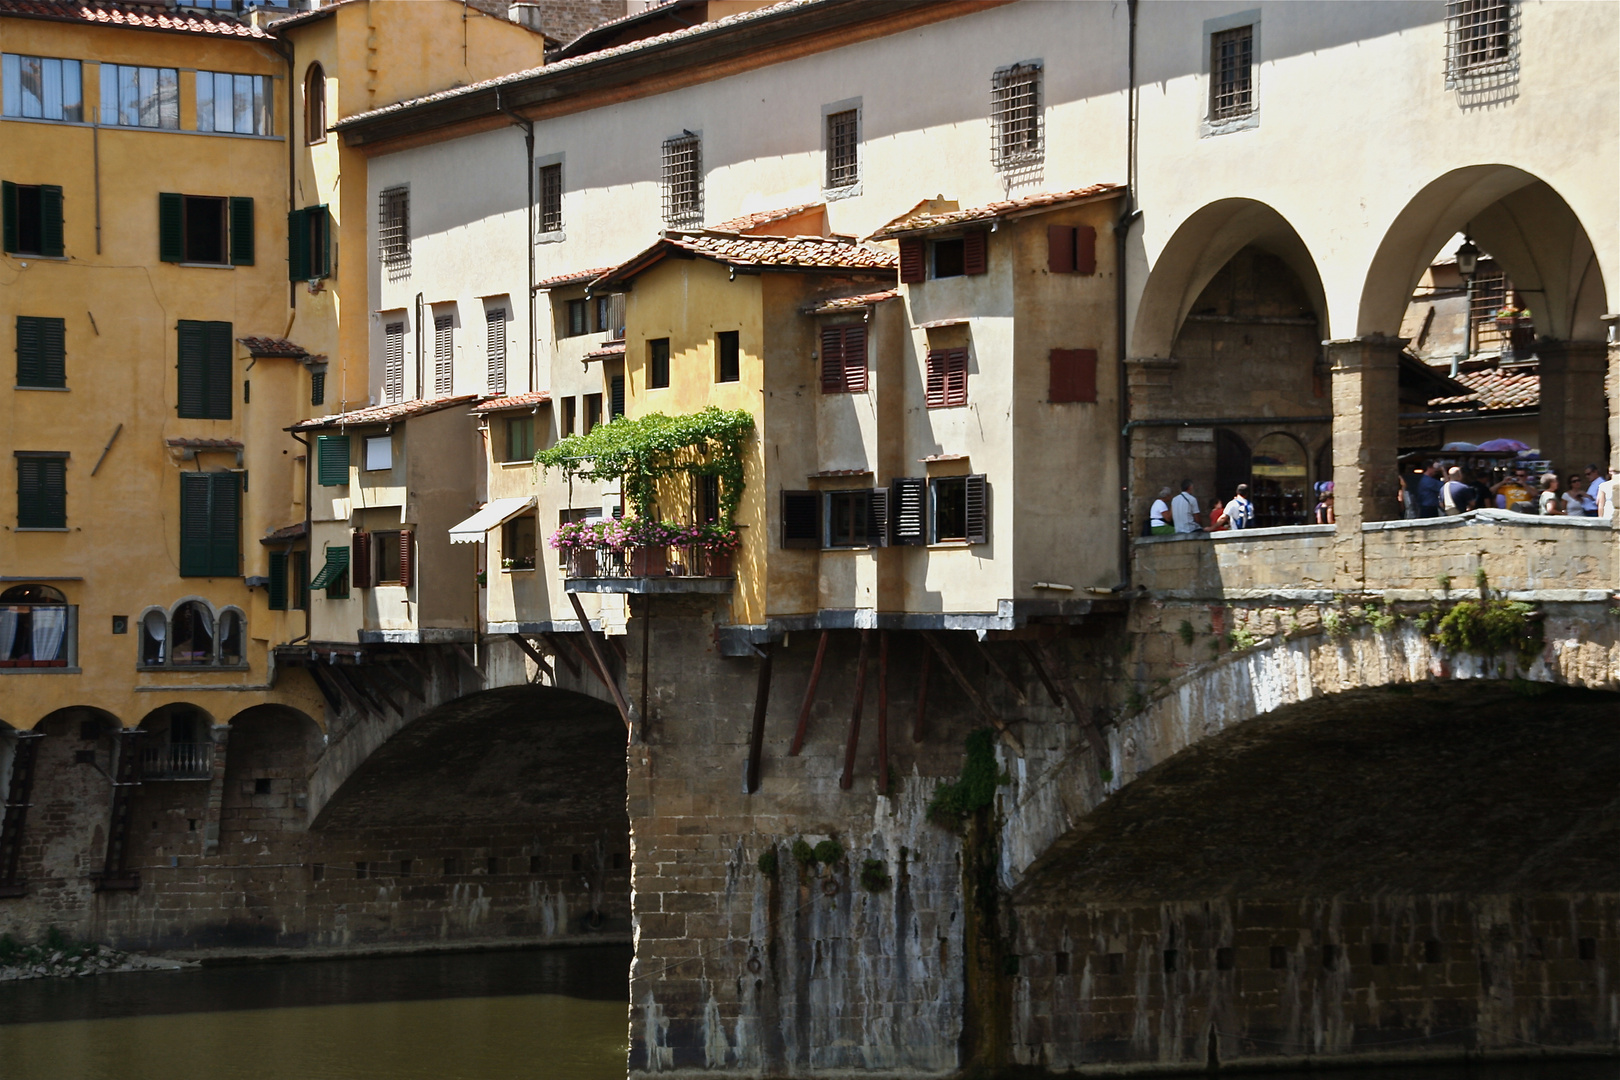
{"x":1467,"y":264}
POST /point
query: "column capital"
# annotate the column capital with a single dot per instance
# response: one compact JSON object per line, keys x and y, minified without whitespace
{"x":1369,"y":350}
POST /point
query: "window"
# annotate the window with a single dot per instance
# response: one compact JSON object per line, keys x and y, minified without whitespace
{"x":959,"y":510}
{"x":204,"y":370}
{"x":567,"y":517}
{"x":444,"y":357}
{"x":727,"y":361}
{"x":1015,"y":116}
{"x":1480,"y":36}
{"x":857,"y":518}
{"x":191,"y":635}
{"x":1071,"y":249}
{"x":570,"y":415}
{"x":551,"y":189}
{"x":389,"y":555}
{"x":801,"y":519}
{"x":145,"y":97}
{"x":657,"y":363}
{"x":1073,"y":375}
{"x":610,"y":315}
{"x":379,"y":452}
{"x":394,"y":231}
{"x":705,"y":499}
{"x":519,"y":543}
{"x":593,"y":412}
{"x":41,"y":88}
{"x":331,"y":460}
{"x":495,"y":350}
{"x":317,"y":386}
{"x":228,"y":103}
{"x":519,"y":441}
{"x":210,"y":524}
{"x":1231,"y":73}
{"x":38,"y":628}
{"x":843,"y":359}
{"x":616,"y":398}
{"x":41,"y":351}
{"x":334,"y":575}
{"x":579,"y":313}
{"x":948,"y":258}
{"x":33,"y":218}
{"x":205,"y":229}
{"x":843,"y":148}
{"x":683,"y":180}
{"x":41,"y":490}
{"x":315,"y":105}
{"x":309,"y":244}
{"x":394,"y":361}
{"x":947,"y":378}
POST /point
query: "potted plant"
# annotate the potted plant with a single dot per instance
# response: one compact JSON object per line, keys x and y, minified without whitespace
{"x":578,"y":540}
{"x":646,"y":541}
{"x":719,"y":546}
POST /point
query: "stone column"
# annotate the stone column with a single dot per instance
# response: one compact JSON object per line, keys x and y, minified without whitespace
{"x":1613,"y":322}
{"x":1366,"y":432}
{"x":1573,"y":413}
{"x":221,"y":734}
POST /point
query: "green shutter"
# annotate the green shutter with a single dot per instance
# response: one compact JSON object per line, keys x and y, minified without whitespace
{"x":29,"y":359}
{"x":50,"y":220}
{"x":8,"y":205}
{"x":195,"y":488}
{"x":171,"y":227}
{"x":320,"y":256}
{"x":218,"y":400}
{"x":41,"y":493}
{"x":193,"y":367}
{"x":241,"y":232}
{"x":335,"y":574}
{"x":224,"y":525}
{"x":298,"y":246}
{"x":332,"y":460}
{"x":41,"y":356}
{"x":278,"y":581}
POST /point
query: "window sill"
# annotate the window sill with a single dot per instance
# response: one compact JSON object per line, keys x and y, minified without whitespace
{"x":518,"y":461}
{"x":32,"y":528}
{"x":949,"y":545}
{"x":41,"y":671}
{"x":556,"y":237}
{"x":848,"y":547}
{"x":47,"y":389}
{"x":20,"y":255}
{"x":517,"y":569}
{"x":847,"y":191}
{"x":188,"y":669}
{"x":207,"y":266}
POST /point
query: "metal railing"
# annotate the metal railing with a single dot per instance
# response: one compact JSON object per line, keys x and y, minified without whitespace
{"x":178,"y":761}
{"x":676,"y":560}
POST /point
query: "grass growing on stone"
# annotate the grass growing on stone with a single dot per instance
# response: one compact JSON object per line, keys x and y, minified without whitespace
{"x":767,"y":862}
{"x":975,"y":789}
{"x":1488,"y":627}
{"x":874,"y":875}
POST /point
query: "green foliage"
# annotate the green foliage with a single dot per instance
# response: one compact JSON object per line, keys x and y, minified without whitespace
{"x":55,"y":940}
{"x":1336,"y":623}
{"x":1444,"y":581}
{"x":1482,"y":583}
{"x":1135,"y":700}
{"x":975,"y":789}
{"x":874,"y":875}
{"x":1380,"y":617}
{"x":829,"y":852}
{"x":767,"y":861}
{"x":1185,"y":632}
{"x":803,"y":853}
{"x":639,"y":452}
{"x":1489,"y":627}
{"x":1241,"y":637}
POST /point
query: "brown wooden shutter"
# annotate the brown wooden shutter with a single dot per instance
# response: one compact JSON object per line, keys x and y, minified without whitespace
{"x":832,"y":359}
{"x":360,"y":560}
{"x":801,"y":519}
{"x":1073,"y":375}
{"x":978,"y":510}
{"x":1085,"y":250}
{"x":975,"y":253}
{"x":934,"y":387}
{"x":1060,"y":249}
{"x":405,"y":538}
{"x":912,"y":262}
{"x":855,"y":359}
{"x":956,"y":377}
{"x":910,"y":496}
{"x":877,"y":518}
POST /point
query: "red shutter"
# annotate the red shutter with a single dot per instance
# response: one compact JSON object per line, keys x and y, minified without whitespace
{"x":956,"y":372}
{"x":1085,"y":250}
{"x":934,"y":391}
{"x":1073,"y":375}
{"x":911,"y":262}
{"x":832,"y":359}
{"x":405,"y":538}
{"x":360,"y":560}
{"x":855,"y":359}
{"x":1060,"y":249}
{"x":975,"y":259}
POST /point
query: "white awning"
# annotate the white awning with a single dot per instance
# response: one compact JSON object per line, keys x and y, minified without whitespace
{"x":495,"y":512}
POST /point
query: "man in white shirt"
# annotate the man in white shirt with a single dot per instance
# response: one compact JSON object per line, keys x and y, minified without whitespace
{"x":1605,"y":499}
{"x":1184,"y":510}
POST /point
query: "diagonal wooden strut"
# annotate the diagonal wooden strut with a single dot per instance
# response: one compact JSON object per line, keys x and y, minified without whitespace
{"x":601,"y":663}
{"x":756,"y":740}
{"x":855,"y":714}
{"x":883,"y":712}
{"x":971,"y":692}
{"x":809,"y":696}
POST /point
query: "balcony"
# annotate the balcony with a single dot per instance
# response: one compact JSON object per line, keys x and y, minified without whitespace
{"x":178,"y":761}
{"x":673,"y":568}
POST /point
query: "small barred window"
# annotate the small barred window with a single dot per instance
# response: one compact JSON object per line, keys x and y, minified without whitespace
{"x":683,"y":180}
{"x":1015,"y":112}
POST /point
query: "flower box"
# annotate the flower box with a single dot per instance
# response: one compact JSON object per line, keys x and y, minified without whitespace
{"x":583,"y":562}
{"x":718,"y":563}
{"x":649,"y":561}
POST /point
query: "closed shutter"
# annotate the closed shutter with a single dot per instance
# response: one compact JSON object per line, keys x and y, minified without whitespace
{"x":28,"y":351}
{"x":947,"y":378}
{"x":332,"y":460}
{"x":496,"y":339}
{"x":171,"y":227}
{"x":443,"y":354}
{"x":394,"y":361}
{"x":195,"y":488}
{"x":832,"y":359}
{"x":41,"y":493}
{"x":317,"y":388}
{"x":912,"y":262}
{"x":1060,"y":249}
{"x":853,"y":359}
{"x":225,"y":525}
{"x":219,"y":395}
{"x":193,"y":367}
{"x":278,"y":581}
{"x":8,"y":212}
{"x":877,"y":518}
{"x":617,"y":406}
{"x":908,"y":501}
{"x":320,"y":241}
{"x":1073,"y":375}
{"x":975,"y":253}
{"x":241,"y":232}
{"x":298,"y":246}
{"x":360,"y":566}
{"x":801,"y":519}
{"x":978,"y":510}
{"x":50,"y":220}
{"x":406,"y":536}
{"x":53,"y":352}
{"x":1085,"y":250}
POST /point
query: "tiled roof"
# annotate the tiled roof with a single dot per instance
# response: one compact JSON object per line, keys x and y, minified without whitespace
{"x":516,"y":401}
{"x":133,"y":14}
{"x":573,"y":277}
{"x":828,"y":474}
{"x":295,"y":531}
{"x":206,"y":444}
{"x":272,"y":346}
{"x":763,"y":252}
{"x":992,"y":211}
{"x":749,"y":222}
{"x":383,"y":414}
{"x":1494,"y":389}
{"x":606,"y":352}
{"x":848,"y":303}
{"x":652,"y":12}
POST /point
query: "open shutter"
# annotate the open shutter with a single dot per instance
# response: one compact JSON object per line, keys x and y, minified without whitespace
{"x":910,"y":493}
{"x":405,"y":538}
{"x":934,"y":389}
{"x":956,"y":374}
{"x":195,"y":488}
{"x":978,"y":510}
{"x":50,"y":220}
{"x":618,"y":396}
{"x":171,"y":227}
{"x":854,"y":373}
{"x":975,"y":254}
{"x":1085,"y":250}
{"x":241,"y":232}
{"x":8,"y":210}
{"x":224,"y":524}
{"x":801,"y":519}
{"x":332,"y":460}
{"x":193,"y":368}
{"x":52,"y":352}
{"x":278,"y":581}
{"x":219,"y":370}
{"x":877,"y":518}
{"x":832,"y":359}
{"x":320,"y":241}
{"x":29,"y":358}
{"x":298,"y":245}
{"x":912,"y":262}
{"x":1060,"y":249}
{"x":360,"y":560}
{"x":1073,"y":375}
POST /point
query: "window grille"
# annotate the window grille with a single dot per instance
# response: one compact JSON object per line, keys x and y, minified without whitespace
{"x":443,"y":355}
{"x":394,"y":362}
{"x":551,"y":219}
{"x":497,"y":350}
{"x":683,"y":180}
{"x":843,"y":161}
{"x":1231,"y":73}
{"x":1481,"y":37}
{"x":1015,"y":112}
{"x":394,"y":231}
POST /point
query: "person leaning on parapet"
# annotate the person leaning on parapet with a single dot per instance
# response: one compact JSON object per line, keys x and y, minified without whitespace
{"x":1515,"y":494}
{"x":1184,"y":510}
{"x":1550,"y":502}
{"x":1159,"y":517}
{"x":1456,"y":497}
{"x":1576,"y":499}
{"x":1239,"y":513}
{"x":1590,"y":483}
{"x":1605,"y":497}
{"x":1428,"y":492}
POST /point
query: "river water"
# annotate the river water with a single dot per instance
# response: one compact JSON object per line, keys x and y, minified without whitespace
{"x":534,"y":1015}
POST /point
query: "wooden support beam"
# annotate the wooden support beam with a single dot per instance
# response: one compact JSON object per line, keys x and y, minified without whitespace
{"x":883,"y":712}
{"x":756,"y":739}
{"x":534,"y":654}
{"x":646,"y":658}
{"x":423,"y":667}
{"x":617,"y":645}
{"x":1006,"y":676}
{"x":1088,"y":724}
{"x":855,"y":714}
{"x":324,"y":685}
{"x":401,"y":681}
{"x":561,"y":652}
{"x":348,"y":691}
{"x":971,"y":692}
{"x":601,"y":661}
{"x":467,"y":656}
{"x":809,"y":696}
{"x":372,"y":689}
{"x":1040,"y":670}
{"x":362,"y":695}
{"x":918,"y":724}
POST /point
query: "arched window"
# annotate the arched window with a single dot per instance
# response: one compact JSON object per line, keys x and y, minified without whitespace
{"x":230,"y":636}
{"x":315,"y":105}
{"x":154,"y":639}
{"x":1280,"y":480}
{"x":191,"y":635}
{"x":33,"y":627}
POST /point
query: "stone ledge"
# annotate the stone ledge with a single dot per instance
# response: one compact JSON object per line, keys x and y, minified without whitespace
{"x":1495,"y":517}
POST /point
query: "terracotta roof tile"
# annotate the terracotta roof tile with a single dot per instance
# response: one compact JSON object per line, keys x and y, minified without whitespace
{"x":829,"y":474}
{"x":383,"y":414}
{"x":750,"y":222}
{"x":295,"y":531}
{"x":516,"y":401}
{"x":763,"y":252}
{"x":1494,"y":389}
{"x":573,"y":277}
{"x":992,"y":211}
{"x":132,"y":14}
{"x":272,"y":347}
{"x":849,"y":303}
{"x":607,"y":351}
{"x":206,"y":444}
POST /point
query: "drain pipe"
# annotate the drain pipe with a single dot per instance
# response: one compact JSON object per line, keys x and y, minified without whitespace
{"x":285,"y":47}
{"x":528,"y":146}
{"x":1128,"y":215}
{"x":419,"y":395}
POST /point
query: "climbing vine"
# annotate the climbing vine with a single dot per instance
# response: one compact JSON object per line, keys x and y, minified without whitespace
{"x":642,"y":451}
{"x":975,"y":789}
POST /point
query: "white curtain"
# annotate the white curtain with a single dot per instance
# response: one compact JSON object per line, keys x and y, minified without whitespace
{"x":8,"y":631}
{"x":155,"y":627}
{"x":50,"y":623}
